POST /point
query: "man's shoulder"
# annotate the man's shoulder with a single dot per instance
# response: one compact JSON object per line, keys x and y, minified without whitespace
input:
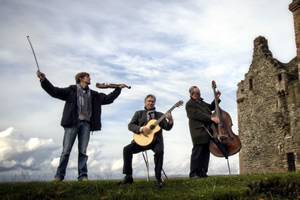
{"x":140,"y":111}
{"x":190,"y":101}
{"x":93,"y":92}
{"x":73,"y":87}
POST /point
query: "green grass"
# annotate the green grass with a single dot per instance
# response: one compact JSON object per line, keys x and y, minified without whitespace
{"x":257,"y":186}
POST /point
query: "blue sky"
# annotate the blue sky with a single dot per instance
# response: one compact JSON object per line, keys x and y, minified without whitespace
{"x":159,"y":47}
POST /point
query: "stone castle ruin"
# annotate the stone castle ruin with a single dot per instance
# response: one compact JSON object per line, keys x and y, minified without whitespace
{"x":268,"y":102}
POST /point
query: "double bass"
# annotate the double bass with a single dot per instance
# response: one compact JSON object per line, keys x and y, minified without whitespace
{"x":224,"y":141}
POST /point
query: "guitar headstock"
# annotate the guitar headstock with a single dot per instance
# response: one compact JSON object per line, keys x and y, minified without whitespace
{"x":213,"y":84}
{"x":179,"y":103}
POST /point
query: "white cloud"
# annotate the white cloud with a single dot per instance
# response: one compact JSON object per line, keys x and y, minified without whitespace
{"x":7,"y":132}
{"x":117,"y":165}
{"x":18,"y":151}
{"x":9,"y":164}
{"x":55,"y":162}
{"x":35,"y":143}
{"x":29,"y":162}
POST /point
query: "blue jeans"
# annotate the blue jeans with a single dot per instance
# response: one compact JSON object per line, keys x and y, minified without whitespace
{"x":82,"y":130}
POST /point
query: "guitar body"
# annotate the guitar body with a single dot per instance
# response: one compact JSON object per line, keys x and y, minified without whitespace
{"x":142,"y":140}
{"x":154,"y":127}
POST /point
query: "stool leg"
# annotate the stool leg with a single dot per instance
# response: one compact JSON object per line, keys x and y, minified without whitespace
{"x":164,"y":173}
{"x":145,"y":156}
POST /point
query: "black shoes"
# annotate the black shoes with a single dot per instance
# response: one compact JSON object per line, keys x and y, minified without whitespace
{"x":201,"y":175}
{"x":195,"y":177}
{"x":127,"y":179}
{"x":159,"y":183}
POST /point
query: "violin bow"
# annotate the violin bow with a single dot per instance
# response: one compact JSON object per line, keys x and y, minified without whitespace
{"x":37,"y":64}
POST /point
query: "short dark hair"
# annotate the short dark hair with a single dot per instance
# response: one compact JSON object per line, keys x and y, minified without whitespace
{"x":80,"y":75}
{"x":150,"y":95}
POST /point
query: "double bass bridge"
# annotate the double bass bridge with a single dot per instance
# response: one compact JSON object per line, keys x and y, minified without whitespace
{"x":223,"y":139}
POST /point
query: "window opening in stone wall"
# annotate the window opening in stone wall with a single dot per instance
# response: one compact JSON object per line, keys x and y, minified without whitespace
{"x":250,"y":84}
{"x":279,"y":77}
{"x":291,"y":162}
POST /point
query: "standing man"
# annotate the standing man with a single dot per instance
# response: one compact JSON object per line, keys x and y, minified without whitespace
{"x":199,"y":115}
{"x":138,"y":126}
{"x":81,"y":114}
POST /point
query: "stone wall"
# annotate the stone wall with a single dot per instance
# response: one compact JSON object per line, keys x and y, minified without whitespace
{"x":268,"y":113}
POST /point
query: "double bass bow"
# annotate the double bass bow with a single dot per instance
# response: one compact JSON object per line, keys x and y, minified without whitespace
{"x":109,"y":85}
{"x":223,"y":139}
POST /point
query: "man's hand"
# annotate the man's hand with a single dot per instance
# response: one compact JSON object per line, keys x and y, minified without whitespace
{"x":146,"y":131}
{"x":169,"y":117}
{"x":40,"y":75}
{"x":215,"y":119}
{"x":122,"y":85}
{"x":218,"y":93}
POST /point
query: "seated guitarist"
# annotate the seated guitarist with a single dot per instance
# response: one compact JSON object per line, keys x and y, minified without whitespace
{"x":138,"y":126}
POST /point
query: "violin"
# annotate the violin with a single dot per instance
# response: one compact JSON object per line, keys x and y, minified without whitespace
{"x":109,"y":85}
{"x":222,"y":132}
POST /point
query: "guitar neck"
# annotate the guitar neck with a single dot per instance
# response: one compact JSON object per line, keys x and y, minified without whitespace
{"x":164,"y":115}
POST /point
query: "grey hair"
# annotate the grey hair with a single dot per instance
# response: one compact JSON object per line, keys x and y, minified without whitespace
{"x":191,"y":90}
{"x":150,"y":95}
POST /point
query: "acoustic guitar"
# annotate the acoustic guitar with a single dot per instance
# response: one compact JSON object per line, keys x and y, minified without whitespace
{"x":154,"y":127}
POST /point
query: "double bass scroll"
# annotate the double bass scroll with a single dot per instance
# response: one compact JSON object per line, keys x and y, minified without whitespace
{"x":109,"y":85}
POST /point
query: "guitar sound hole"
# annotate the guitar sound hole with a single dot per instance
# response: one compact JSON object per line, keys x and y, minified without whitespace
{"x":152,"y":127}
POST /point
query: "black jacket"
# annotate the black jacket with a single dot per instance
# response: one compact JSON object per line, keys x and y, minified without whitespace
{"x":199,"y":115}
{"x":69,"y":95}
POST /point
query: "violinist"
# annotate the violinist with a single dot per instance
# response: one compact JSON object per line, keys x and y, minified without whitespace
{"x":80,"y":116}
{"x":199,"y":114}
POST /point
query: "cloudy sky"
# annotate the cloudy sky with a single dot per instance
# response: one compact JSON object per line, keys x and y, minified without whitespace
{"x":160,"y":46}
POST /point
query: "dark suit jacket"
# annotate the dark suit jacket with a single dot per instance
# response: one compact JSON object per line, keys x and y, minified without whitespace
{"x":139,"y":119}
{"x":199,"y":114}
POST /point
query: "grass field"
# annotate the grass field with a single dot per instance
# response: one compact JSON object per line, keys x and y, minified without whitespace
{"x":257,"y":186}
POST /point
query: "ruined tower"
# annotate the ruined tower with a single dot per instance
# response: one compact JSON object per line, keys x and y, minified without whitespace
{"x":268,"y":101}
{"x":295,"y":9}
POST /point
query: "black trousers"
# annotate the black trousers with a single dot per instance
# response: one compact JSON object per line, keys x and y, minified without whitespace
{"x":134,"y":148}
{"x":199,"y":160}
